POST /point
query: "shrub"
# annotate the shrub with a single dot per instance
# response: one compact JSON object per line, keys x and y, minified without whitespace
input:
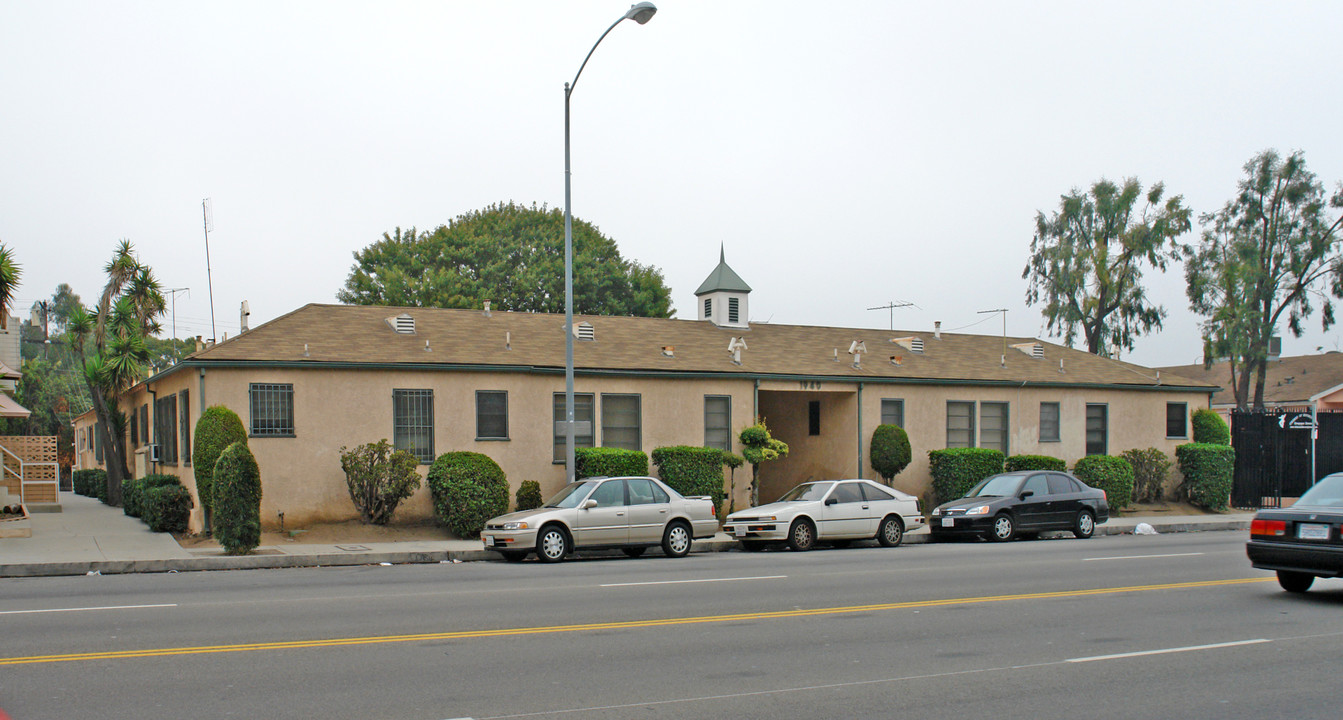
{"x":468,"y":488}
{"x":1210,"y":428}
{"x":91,"y":483}
{"x":609,"y":462}
{"x":131,"y":494}
{"x":1109,"y":473}
{"x":1035,"y":462}
{"x":1209,"y":471}
{"x":1149,"y":473}
{"x":165,"y":505}
{"x":528,"y":495}
{"x":236,"y":484}
{"x":378,"y":479}
{"x":217,"y":428}
{"x":758,"y":446}
{"x":956,"y":470}
{"x":692,"y":471}
{"x":889,"y":452}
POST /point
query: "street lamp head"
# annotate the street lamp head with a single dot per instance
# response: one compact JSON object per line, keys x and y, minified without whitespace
{"x":642,"y":12}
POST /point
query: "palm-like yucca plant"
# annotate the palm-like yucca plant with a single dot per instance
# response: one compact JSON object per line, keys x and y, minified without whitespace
{"x":10,"y":271}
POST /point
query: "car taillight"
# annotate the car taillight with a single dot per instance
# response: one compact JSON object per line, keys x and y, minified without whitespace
{"x":1270,"y":528}
{"x":713,"y":510}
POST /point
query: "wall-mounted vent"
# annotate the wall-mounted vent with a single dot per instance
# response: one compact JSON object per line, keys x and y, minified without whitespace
{"x":584,"y":331}
{"x":669,"y":350}
{"x":912,"y":344}
{"x":403,"y":324}
{"x":1034,"y":349}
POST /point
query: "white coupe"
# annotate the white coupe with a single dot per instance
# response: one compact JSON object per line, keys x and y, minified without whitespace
{"x":834,"y":511}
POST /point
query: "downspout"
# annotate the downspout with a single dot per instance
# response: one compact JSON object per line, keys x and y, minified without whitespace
{"x":755,"y":402}
{"x":202,"y":394}
{"x":860,"y":431}
{"x":154,"y":395}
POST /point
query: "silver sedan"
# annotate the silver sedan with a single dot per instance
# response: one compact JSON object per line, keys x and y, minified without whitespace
{"x":836,"y":511}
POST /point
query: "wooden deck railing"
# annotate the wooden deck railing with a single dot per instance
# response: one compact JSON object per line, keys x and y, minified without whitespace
{"x":30,"y":470}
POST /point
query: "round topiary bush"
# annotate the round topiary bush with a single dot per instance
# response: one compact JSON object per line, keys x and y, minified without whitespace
{"x":890,"y":451}
{"x":1210,"y":428}
{"x":217,"y":428}
{"x":528,"y":496}
{"x":1112,"y":474}
{"x":237,"y":500}
{"x":468,"y":488}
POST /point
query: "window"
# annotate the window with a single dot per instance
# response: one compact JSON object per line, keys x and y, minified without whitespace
{"x":1097,"y":429}
{"x":491,"y":415}
{"x":718,"y":421}
{"x":1049,"y":422}
{"x":184,"y":422}
{"x":892,"y":412}
{"x":582,"y":423}
{"x":993,"y":426}
{"x":1176,"y":425}
{"x":1061,"y":485}
{"x":1038,"y":485}
{"x":610,"y":494}
{"x":960,"y":424}
{"x":708,"y":308}
{"x":645,"y":492}
{"x":733,"y":313}
{"x":847,"y":493}
{"x":165,"y":428}
{"x":413,"y":423}
{"x":875,"y":493}
{"x":621,"y":421}
{"x":135,"y":434}
{"x":272,"y":409}
{"x":814,"y":417}
{"x":144,"y":424}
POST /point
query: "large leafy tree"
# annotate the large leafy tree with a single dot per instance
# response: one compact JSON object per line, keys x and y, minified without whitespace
{"x":1264,"y":257}
{"x":1087,"y":261}
{"x":511,"y":255}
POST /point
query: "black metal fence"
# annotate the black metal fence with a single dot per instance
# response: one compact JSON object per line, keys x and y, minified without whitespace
{"x":1274,"y":457}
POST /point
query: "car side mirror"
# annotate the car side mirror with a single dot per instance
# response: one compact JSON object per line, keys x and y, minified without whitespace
{"x":589,"y":504}
{"x":832,"y":501}
{"x":1026,"y":493}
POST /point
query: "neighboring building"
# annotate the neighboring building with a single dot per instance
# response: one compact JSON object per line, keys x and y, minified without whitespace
{"x":432,"y":380}
{"x":1293,"y":384}
{"x":11,"y":355}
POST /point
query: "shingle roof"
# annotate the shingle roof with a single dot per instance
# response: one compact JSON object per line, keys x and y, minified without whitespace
{"x":353,"y":334}
{"x":1289,"y":380}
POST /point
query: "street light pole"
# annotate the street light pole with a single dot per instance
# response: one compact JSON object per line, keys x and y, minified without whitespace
{"x":640,"y":13}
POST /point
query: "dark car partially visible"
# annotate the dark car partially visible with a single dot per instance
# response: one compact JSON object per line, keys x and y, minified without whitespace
{"x":1028,"y":502}
{"x":1303,"y":541}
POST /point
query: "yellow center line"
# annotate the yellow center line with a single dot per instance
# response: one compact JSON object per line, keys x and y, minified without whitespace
{"x":621,"y":625}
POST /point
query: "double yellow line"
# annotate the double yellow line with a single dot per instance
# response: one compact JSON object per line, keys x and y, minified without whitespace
{"x":625,"y":625}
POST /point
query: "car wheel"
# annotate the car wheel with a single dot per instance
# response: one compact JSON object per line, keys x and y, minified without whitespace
{"x":1295,"y":582}
{"x":801,"y":536}
{"x":1085,"y":526}
{"x":891,"y":532}
{"x":1003,"y":528}
{"x":752,"y":545}
{"x":513,"y":555}
{"x":633,"y":551}
{"x":552,"y":544}
{"x":676,"y":540}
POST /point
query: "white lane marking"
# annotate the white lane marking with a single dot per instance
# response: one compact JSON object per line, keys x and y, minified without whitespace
{"x":1167,"y":651}
{"x":705,"y":580}
{"x":1142,"y":557}
{"x":86,"y":609}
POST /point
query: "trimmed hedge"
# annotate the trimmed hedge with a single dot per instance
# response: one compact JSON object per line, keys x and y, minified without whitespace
{"x":91,"y":483}
{"x":1208,"y":471}
{"x":692,"y":471}
{"x":165,"y":507}
{"x":1210,"y":428}
{"x":468,"y":488}
{"x":217,"y":428}
{"x":528,"y":496}
{"x":609,"y":462}
{"x":1150,"y":467}
{"x":133,"y":492}
{"x":1112,"y":474}
{"x":956,"y":470}
{"x":237,"y":500}
{"x":1035,"y":462}
{"x":889,"y":451}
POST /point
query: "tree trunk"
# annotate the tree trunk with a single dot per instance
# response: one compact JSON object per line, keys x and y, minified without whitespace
{"x":755,"y":485}
{"x":113,"y":452}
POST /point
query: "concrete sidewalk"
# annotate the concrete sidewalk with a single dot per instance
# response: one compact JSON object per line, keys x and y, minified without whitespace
{"x":90,"y":537}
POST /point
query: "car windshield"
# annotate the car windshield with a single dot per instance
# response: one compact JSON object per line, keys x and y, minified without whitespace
{"x":807,"y":491}
{"x":572,"y":494}
{"x":1328,"y":492}
{"x":996,"y":486}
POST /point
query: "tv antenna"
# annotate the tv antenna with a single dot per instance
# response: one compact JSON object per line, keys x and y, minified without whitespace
{"x":892,"y":305}
{"x":1002,"y":360}
{"x":207,"y":215}
{"x":173,"y":292}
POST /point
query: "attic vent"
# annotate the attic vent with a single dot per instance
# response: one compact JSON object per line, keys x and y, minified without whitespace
{"x":912,"y":344}
{"x":584,"y":331}
{"x":1034,"y":349}
{"x":403,"y":324}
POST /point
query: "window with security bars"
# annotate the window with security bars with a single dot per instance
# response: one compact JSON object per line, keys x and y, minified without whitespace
{"x":135,"y":431}
{"x":718,"y":421}
{"x":165,"y":428}
{"x":272,"y":409}
{"x":621,"y":427}
{"x":960,"y":424}
{"x":993,"y":426}
{"x":1049,"y":422}
{"x":144,"y":425}
{"x":582,"y":423}
{"x":1098,"y":425}
{"x":892,"y":412}
{"x":413,"y":423}
{"x":184,"y":422}
{"x":491,"y":415}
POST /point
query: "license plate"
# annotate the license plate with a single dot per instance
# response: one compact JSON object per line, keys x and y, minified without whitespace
{"x":1312,"y":531}
{"x":489,"y":541}
{"x":948,"y":522}
{"x":739,"y":531}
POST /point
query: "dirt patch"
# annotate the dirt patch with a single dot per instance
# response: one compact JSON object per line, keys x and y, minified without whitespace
{"x":343,"y":533}
{"x":1164,"y":507}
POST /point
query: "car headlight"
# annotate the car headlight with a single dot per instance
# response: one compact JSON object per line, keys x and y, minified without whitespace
{"x":515,"y":526}
{"x":978,"y":510}
{"x":936,"y":512}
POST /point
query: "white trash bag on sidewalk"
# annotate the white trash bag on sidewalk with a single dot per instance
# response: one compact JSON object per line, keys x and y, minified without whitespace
{"x":1144,"y":529}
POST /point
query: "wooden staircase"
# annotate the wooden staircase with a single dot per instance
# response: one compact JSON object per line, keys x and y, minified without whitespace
{"x":30,"y":471}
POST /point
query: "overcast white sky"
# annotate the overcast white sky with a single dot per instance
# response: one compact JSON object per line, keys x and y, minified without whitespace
{"x":846,"y":154}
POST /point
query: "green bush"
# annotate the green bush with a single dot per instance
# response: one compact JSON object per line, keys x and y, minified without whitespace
{"x":131,"y":494}
{"x":956,"y":470}
{"x":1210,"y":428}
{"x":379,"y":479}
{"x":1209,"y":471}
{"x":217,"y":428}
{"x":1035,"y":462}
{"x":468,"y":488}
{"x":85,"y":481}
{"x":889,"y":451}
{"x":165,"y":505}
{"x":1112,"y":474}
{"x":609,"y":462}
{"x":692,"y":471}
{"x":236,"y":484}
{"x":1150,"y":467}
{"x":528,"y":496}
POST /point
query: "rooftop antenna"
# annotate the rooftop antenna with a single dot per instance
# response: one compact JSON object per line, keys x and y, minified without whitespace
{"x":173,"y":292}
{"x":892,"y":305}
{"x":1003,"y":359}
{"x":207,"y":215}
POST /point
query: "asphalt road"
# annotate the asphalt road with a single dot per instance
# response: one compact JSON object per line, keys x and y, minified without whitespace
{"x":1112,"y":627}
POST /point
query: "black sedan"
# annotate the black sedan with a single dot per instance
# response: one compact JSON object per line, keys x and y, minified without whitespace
{"x":1301,"y":542}
{"x":1027,"y":502}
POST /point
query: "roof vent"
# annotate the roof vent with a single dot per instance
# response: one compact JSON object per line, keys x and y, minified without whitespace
{"x":669,"y":350}
{"x":584,"y":331}
{"x":1034,"y":349}
{"x":403,"y":324}
{"x":735,"y":346}
{"x":912,"y":344}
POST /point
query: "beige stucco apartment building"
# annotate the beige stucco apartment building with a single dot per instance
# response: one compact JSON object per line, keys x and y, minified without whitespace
{"x":432,"y":380}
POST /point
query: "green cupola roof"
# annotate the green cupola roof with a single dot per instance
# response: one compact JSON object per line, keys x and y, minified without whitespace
{"x":722,"y":279}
